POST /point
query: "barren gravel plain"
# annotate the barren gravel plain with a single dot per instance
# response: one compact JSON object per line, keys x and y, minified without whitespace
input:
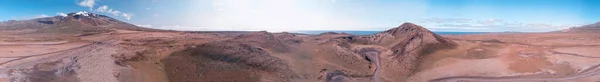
{"x":101,"y":49}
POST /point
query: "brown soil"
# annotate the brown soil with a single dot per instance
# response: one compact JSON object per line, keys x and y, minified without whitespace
{"x":407,"y":53}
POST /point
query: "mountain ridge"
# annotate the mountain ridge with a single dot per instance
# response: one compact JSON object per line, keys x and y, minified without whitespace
{"x":595,"y":27}
{"x":77,"y":22}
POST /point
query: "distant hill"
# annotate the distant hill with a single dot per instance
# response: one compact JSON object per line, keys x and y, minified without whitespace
{"x":585,"y":28}
{"x":79,"y":22}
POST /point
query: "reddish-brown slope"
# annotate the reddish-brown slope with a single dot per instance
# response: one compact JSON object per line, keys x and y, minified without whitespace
{"x":413,"y":42}
{"x":246,"y":58}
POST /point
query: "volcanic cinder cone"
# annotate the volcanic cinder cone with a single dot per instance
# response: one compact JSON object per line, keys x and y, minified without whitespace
{"x":408,"y":42}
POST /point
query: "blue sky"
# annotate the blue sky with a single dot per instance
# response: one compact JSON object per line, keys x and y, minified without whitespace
{"x":291,"y":15}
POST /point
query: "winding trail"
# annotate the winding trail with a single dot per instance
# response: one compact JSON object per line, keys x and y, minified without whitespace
{"x":374,"y":56}
{"x":38,"y":43}
{"x":51,"y":52}
{"x":91,"y":43}
{"x":553,"y":52}
{"x":29,"y":56}
{"x":486,"y":41}
{"x":594,"y":70}
{"x":572,"y":54}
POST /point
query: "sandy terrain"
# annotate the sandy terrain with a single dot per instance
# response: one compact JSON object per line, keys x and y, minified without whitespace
{"x":89,"y":58}
{"x":521,"y":58}
{"x":408,"y":53}
{"x":28,"y":49}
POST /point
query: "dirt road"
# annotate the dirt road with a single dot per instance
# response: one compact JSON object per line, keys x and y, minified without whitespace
{"x":556,"y":52}
{"x":33,"y":43}
{"x":29,"y":56}
{"x":374,"y":56}
{"x":594,"y":70}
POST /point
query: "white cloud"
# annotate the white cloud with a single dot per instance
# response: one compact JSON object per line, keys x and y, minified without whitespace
{"x":155,"y":15}
{"x":87,"y":3}
{"x":540,"y":25}
{"x":142,"y":25}
{"x":445,"y":20}
{"x":154,"y":0}
{"x":489,"y":25}
{"x":106,"y":9}
{"x":490,"y":21}
{"x":198,"y":28}
{"x":103,"y":8}
{"x":61,"y":14}
{"x":41,"y":16}
{"x":116,"y":13}
{"x":455,"y":25}
{"x":128,"y":15}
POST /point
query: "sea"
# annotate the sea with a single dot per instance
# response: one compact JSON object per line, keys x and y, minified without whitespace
{"x":373,"y":32}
